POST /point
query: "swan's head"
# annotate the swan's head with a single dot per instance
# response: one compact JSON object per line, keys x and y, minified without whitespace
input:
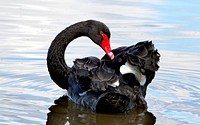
{"x":100,"y":34}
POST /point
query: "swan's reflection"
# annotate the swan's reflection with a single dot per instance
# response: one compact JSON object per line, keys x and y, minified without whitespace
{"x":66,"y":112}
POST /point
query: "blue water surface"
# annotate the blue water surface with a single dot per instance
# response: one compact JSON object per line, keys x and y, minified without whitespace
{"x":28,"y":27}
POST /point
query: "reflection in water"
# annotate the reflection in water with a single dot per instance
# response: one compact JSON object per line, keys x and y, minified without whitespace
{"x":66,"y":112}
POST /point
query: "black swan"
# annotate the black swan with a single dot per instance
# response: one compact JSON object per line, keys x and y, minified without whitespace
{"x":116,"y":83}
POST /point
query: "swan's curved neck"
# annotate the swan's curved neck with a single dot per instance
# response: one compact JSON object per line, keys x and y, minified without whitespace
{"x":57,"y":66}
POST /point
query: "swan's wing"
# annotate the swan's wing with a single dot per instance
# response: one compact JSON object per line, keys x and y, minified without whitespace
{"x":91,"y":73}
{"x":81,"y":73}
{"x":142,"y":55}
{"x":86,"y":63}
{"x":102,"y":76}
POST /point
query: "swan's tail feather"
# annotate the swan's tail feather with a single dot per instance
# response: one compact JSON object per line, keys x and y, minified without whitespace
{"x":144,"y":55}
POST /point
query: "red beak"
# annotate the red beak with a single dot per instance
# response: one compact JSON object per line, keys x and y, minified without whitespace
{"x":106,"y":46}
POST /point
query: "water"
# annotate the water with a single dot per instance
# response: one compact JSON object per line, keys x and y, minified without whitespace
{"x":27,"y":93}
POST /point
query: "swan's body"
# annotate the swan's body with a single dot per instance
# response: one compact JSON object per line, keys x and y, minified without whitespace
{"x":105,"y":85}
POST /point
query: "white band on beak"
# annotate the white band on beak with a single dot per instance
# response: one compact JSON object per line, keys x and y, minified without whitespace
{"x":111,"y":55}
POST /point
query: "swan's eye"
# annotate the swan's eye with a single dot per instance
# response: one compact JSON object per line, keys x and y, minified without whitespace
{"x":101,"y":32}
{"x":103,"y":35}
